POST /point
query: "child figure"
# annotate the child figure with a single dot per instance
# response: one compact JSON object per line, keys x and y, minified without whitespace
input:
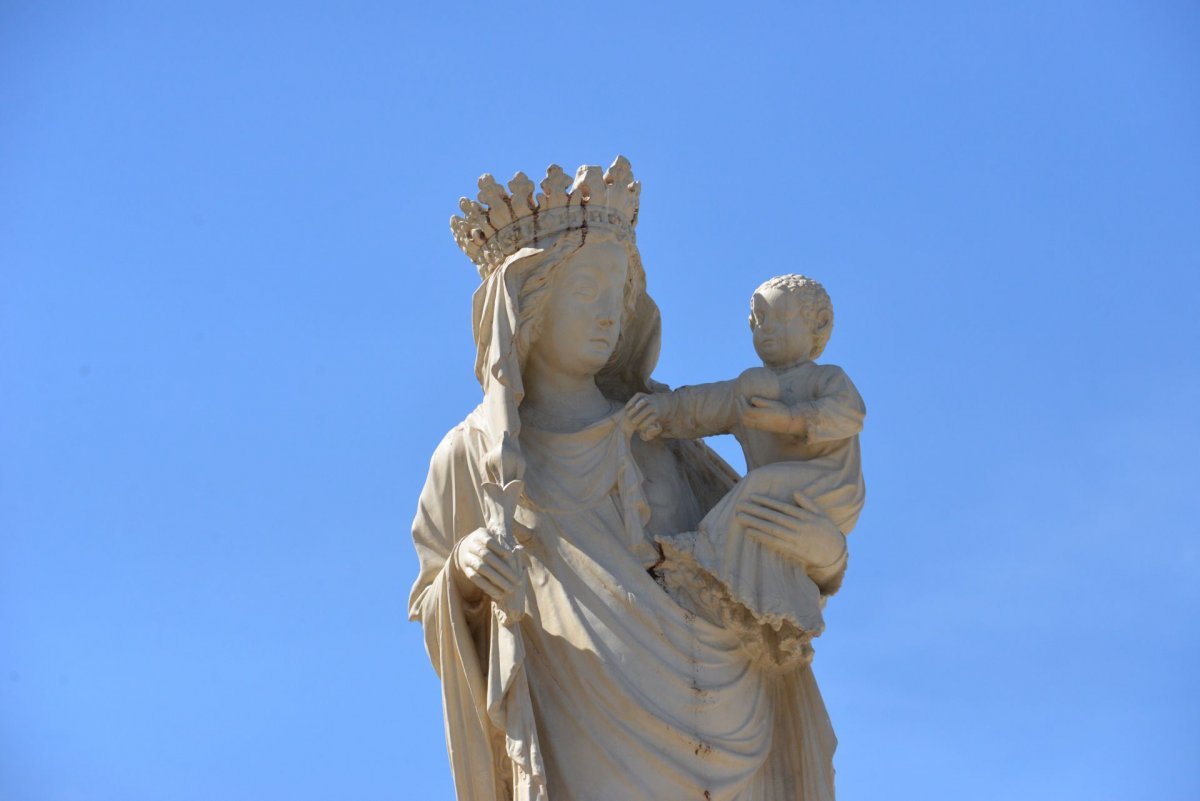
{"x":797,"y":423}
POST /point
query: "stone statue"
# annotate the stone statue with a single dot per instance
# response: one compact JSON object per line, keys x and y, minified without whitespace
{"x":595,"y":637}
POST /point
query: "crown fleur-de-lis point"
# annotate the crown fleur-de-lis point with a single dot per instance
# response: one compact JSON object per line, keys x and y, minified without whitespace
{"x":554,"y":188}
{"x":462,"y":237}
{"x":589,"y":186}
{"x":522,"y":195}
{"x":619,"y":173}
{"x":476,"y":218}
{"x":499,"y":213}
{"x":621,"y":194}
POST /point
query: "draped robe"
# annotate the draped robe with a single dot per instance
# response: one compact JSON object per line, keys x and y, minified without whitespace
{"x":621,"y":690}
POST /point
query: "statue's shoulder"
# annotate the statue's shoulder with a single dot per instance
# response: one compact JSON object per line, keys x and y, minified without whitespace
{"x":831,"y":376}
{"x":464,"y":442}
{"x":829,"y":371}
{"x":832,"y":381}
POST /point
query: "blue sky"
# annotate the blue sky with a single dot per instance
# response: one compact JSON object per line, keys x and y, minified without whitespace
{"x":234,"y":325}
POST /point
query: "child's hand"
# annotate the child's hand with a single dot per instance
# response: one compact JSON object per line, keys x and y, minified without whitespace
{"x":765,"y":415}
{"x":759,"y":382}
{"x":642,"y":413}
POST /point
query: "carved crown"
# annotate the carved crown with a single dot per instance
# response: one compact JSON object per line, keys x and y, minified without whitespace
{"x":499,"y":224}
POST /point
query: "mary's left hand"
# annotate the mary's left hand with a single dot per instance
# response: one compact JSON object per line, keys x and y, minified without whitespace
{"x":800,"y":531}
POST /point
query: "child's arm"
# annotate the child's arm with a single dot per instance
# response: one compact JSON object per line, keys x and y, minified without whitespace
{"x":688,"y":412}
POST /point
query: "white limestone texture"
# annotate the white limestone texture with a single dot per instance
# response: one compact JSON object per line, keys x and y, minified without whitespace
{"x":612,"y":612}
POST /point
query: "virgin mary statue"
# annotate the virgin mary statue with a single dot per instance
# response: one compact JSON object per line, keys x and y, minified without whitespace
{"x":577,"y":662}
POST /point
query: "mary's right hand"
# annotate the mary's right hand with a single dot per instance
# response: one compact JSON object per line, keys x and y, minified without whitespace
{"x":481,"y":565}
{"x":800,"y":531}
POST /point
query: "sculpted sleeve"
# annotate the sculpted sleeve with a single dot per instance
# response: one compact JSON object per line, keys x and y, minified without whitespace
{"x":838,"y":410}
{"x":702,"y":410}
{"x":456,"y":634}
{"x":447,"y":510}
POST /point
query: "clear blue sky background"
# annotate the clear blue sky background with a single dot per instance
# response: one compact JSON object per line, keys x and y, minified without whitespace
{"x":234,"y":325}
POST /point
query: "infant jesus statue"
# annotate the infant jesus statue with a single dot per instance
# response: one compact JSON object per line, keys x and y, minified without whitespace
{"x":798,"y":424}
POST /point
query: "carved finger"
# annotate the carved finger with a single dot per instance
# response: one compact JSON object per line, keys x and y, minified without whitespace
{"x":778,"y":544}
{"x":495,"y":545}
{"x":497,"y":578}
{"x":774,"y":539}
{"x":468,"y":560}
{"x":477,"y":546}
{"x":499,"y":564}
{"x":782,"y":506}
{"x":471,"y":566}
{"x":636,"y":412}
{"x":486,"y":586}
{"x":759,"y":510}
{"x":771,"y":530}
{"x":493,"y":577}
{"x":806,"y":502}
{"x":644,"y":415}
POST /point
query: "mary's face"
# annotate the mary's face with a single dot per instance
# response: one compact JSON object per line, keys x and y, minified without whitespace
{"x":583,"y":315}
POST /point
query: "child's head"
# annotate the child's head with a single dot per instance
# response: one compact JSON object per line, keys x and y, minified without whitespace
{"x":791,"y":317}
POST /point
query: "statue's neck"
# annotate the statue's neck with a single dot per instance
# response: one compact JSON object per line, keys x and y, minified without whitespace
{"x":562,"y":402}
{"x":780,"y":369}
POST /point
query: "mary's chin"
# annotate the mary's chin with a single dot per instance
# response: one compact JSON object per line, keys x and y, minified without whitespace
{"x":595,"y":357}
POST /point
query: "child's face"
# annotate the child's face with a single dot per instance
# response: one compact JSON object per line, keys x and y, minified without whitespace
{"x":781,"y":335}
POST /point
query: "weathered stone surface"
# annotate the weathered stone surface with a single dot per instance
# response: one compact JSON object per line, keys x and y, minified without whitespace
{"x":612,"y":612}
